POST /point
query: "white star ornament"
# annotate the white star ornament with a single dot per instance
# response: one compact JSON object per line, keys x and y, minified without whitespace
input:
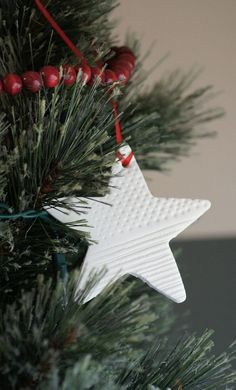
{"x":133,"y":234}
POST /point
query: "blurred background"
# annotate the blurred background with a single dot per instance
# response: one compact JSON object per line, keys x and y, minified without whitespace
{"x":201,"y":33}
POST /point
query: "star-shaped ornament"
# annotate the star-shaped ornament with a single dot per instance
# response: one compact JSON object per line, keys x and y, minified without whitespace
{"x":134,"y":232}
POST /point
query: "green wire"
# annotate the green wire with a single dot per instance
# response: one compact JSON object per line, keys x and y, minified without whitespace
{"x":30,"y":214}
{"x":27,"y":214}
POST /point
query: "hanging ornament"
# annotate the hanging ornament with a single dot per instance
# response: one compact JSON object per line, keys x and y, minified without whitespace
{"x":134,"y":232}
{"x":132,"y":236}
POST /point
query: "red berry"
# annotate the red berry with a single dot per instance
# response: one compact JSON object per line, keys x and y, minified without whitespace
{"x":51,"y":76}
{"x":124,"y":49}
{"x":122,"y":74}
{"x":12,"y":84}
{"x":110,"y":76}
{"x":121,"y":63}
{"x":97,"y":73}
{"x":1,"y":86}
{"x":86,"y":72}
{"x":127,"y":57}
{"x":32,"y":81}
{"x":69,"y":75}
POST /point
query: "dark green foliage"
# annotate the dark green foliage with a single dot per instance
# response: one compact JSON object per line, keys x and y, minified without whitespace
{"x":26,"y":34}
{"x":27,"y":250}
{"x":48,"y":328}
{"x":160,"y":124}
{"x":55,"y":148}
{"x":188,"y":366}
{"x":52,"y":144}
{"x":49,"y":341}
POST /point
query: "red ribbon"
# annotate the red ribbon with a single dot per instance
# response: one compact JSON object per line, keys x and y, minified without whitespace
{"x":59,"y":31}
{"x":124,"y":160}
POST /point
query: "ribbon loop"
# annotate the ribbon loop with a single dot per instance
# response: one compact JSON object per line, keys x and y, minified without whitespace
{"x":125,"y":160}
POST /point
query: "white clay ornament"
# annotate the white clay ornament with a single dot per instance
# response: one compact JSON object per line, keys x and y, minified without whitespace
{"x":133,"y":234}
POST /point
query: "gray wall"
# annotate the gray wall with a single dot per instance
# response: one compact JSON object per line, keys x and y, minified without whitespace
{"x":209,"y":272}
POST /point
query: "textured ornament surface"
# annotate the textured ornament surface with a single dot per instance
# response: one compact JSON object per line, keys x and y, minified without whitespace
{"x":134,"y":232}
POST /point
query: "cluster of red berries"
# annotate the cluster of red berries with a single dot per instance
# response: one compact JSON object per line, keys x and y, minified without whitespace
{"x":121,"y":66}
{"x":119,"y":69}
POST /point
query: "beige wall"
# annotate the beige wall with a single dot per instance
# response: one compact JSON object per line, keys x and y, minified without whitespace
{"x":201,"y":32}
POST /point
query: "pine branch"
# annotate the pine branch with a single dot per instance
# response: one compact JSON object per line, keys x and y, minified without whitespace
{"x":47,"y":330}
{"x":161,"y":124}
{"x":27,"y":35}
{"x":27,"y":249}
{"x":47,"y":339}
{"x":57,"y":150}
{"x":164,"y":123}
{"x":69,"y":131}
{"x":88,"y":374}
{"x":62,"y":132}
{"x":190,"y":365}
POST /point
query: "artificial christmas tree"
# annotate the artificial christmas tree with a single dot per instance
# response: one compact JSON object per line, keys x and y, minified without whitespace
{"x":70,"y":100}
